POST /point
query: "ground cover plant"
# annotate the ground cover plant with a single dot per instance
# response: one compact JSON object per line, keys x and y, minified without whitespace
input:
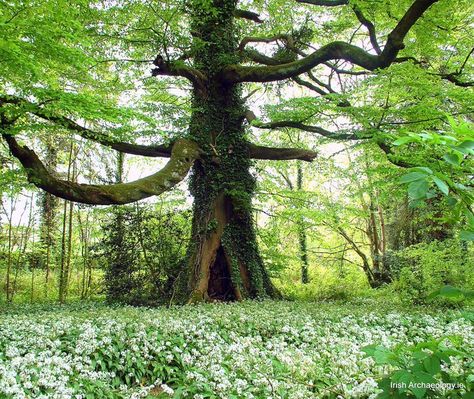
{"x":241,"y":350}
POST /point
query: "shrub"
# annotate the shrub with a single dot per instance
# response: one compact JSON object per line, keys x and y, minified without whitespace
{"x":423,"y":268}
{"x":143,"y":252}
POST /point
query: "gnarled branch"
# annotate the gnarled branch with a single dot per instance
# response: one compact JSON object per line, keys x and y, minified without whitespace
{"x":333,"y":51}
{"x":325,"y":3}
{"x":101,"y":138}
{"x":281,"y":154}
{"x":256,"y":56}
{"x":169,"y":68}
{"x":250,"y":15}
{"x":183,"y":155}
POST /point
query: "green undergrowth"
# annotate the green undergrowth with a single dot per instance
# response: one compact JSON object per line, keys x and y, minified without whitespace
{"x":267,"y":349}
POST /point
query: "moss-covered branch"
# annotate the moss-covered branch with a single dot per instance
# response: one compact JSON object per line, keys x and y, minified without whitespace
{"x":183,"y":155}
{"x":325,"y":3}
{"x":178,"y":68}
{"x":281,"y":154}
{"x":337,"y":50}
{"x":101,"y":138}
{"x":250,"y":15}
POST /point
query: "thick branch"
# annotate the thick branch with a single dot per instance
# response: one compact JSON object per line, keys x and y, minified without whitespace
{"x":325,"y":3}
{"x":454,"y":78}
{"x":333,"y":51}
{"x":250,"y":15}
{"x":281,"y":154}
{"x":313,"y":129}
{"x":183,"y":155}
{"x":101,"y":138}
{"x":163,"y":67}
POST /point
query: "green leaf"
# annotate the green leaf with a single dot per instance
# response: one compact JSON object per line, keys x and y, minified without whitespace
{"x":413,"y":176}
{"x":418,"y":189}
{"x":419,"y":392}
{"x":423,"y":169}
{"x":466,"y":235}
{"x":402,"y":376}
{"x":443,"y":187}
{"x":468,"y":144}
{"x":432,"y":365}
{"x":449,"y":291}
{"x":404,"y":140}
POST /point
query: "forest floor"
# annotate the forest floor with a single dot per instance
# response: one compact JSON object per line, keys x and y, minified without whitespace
{"x":241,"y":350}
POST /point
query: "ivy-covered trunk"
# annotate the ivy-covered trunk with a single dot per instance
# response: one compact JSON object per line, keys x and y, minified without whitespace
{"x":223,"y":258}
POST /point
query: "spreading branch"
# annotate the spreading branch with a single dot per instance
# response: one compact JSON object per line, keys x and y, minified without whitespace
{"x":325,"y":3}
{"x":183,"y":155}
{"x":314,"y":129}
{"x":340,"y":71}
{"x":454,"y":78}
{"x":259,"y":58}
{"x":333,"y":51}
{"x":250,"y":15}
{"x":101,"y":138}
{"x":281,"y":154}
{"x":178,"y":68}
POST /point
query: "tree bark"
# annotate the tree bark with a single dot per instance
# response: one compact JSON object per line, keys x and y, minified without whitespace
{"x":302,"y":232}
{"x":223,"y":258}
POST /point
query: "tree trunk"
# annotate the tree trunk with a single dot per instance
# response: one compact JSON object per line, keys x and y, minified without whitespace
{"x":64,"y":270}
{"x":48,"y":205}
{"x":223,"y":258}
{"x":302,"y":231}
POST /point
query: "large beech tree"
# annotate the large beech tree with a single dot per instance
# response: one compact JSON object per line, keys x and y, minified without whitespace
{"x":67,"y":67}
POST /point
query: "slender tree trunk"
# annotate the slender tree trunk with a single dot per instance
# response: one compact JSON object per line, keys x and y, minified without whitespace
{"x":223,"y":258}
{"x":48,"y":204}
{"x":10,"y":250}
{"x":84,"y":233}
{"x":68,"y":268}
{"x":374,"y":238}
{"x":302,"y":239}
{"x":23,"y":244}
{"x":64,"y":272}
